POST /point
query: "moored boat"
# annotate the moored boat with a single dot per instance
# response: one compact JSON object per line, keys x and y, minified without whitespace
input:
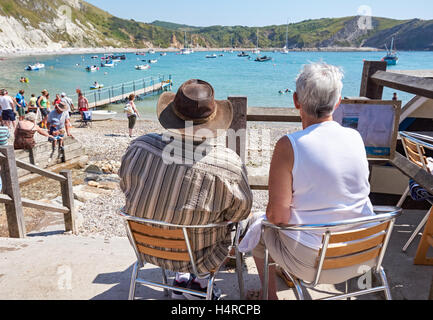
{"x":391,"y":57}
{"x":153,"y":61}
{"x":97,"y":86}
{"x":263,"y":59}
{"x":92,"y":68}
{"x":101,"y":115}
{"x":211,"y":56}
{"x":142,"y":67}
{"x":109,"y":64}
{"x":35,"y":67}
{"x":243,"y":54}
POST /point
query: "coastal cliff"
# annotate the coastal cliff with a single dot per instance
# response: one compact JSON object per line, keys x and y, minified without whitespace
{"x":58,"y":24}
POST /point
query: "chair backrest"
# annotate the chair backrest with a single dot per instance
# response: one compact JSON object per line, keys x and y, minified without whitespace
{"x":165,"y":241}
{"x":415,"y":150}
{"x":159,"y":243}
{"x":366,"y":239}
{"x":354,"y":247}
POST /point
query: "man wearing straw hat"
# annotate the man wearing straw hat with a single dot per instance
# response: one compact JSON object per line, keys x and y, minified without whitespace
{"x":184,"y":177}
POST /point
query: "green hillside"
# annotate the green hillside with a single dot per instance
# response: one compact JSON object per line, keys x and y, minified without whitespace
{"x":93,"y":27}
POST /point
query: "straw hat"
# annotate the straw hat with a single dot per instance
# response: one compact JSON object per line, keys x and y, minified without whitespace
{"x":194,"y":105}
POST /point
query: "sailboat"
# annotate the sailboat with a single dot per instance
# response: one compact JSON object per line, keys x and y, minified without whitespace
{"x":391,"y":57}
{"x":257,"y":50}
{"x":286,"y":47}
{"x":185,"y":50}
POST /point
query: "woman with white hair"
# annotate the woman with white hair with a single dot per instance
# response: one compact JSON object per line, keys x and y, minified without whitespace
{"x":25,"y":132}
{"x":317,"y":175}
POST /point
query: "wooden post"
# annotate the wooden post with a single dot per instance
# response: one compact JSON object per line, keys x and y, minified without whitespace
{"x":68,"y":201}
{"x":238,"y":126}
{"x":368,"y":88}
{"x":14,"y":209}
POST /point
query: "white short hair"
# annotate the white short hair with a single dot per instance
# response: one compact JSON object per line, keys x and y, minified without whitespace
{"x":318,"y":88}
{"x":31,"y":116}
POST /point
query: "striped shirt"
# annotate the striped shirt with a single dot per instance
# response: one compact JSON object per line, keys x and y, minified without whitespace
{"x":4,"y":135}
{"x":187,"y":191}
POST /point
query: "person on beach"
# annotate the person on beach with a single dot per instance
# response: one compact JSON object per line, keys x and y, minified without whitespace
{"x":59,"y":121}
{"x":25,"y":132}
{"x":33,"y":107}
{"x":21,"y":105}
{"x":57,"y":100}
{"x":205,"y":183}
{"x":132,"y":114}
{"x":68,"y":102}
{"x":7,"y":104}
{"x":83,"y":103}
{"x":317,"y":175}
{"x":42,"y":103}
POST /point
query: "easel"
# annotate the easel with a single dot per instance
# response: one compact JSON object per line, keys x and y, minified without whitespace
{"x":425,"y":243}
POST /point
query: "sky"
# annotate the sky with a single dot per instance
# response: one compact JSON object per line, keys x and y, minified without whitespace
{"x":260,"y":12}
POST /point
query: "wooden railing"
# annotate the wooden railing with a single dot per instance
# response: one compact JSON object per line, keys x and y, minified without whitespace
{"x":14,"y":203}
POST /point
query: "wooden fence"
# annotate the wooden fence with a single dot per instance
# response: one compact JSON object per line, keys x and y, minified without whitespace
{"x":13,"y":201}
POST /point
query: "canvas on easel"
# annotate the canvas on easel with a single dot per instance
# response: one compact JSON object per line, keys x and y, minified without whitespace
{"x":377,"y":121}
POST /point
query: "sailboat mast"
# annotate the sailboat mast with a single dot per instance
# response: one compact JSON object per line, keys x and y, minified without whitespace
{"x":287,"y":35}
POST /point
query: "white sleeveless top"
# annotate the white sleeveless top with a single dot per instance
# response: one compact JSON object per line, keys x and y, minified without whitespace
{"x":330,"y":179}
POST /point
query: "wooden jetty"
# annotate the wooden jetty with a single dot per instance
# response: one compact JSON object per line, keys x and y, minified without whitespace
{"x":120,"y":92}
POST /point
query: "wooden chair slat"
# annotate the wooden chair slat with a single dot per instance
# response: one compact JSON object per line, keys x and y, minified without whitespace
{"x":430,"y":240}
{"x":353,"y":235}
{"x":156,"y":232}
{"x":353,"y":248}
{"x":168,"y":255}
{"x":414,"y":155}
{"x":161,"y":243}
{"x":337,"y":263}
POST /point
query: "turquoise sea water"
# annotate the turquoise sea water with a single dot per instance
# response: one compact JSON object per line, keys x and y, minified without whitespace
{"x":229,"y":74}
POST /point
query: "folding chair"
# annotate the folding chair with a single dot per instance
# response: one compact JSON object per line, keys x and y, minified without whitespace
{"x":149,"y":238}
{"x":343,"y":249}
{"x":414,"y":148}
{"x":86,"y":119}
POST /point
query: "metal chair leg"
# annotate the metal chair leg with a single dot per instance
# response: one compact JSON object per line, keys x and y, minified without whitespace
{"x":164,"y":281}
{"x":240,"y":274}
{"x":266,"y":276}
{"x":210,"y":285}
{"x":417,"y":230}
{"x":403,"y":197}
{"x":298,"y":287}
{"x":133,"y":278}
{"x":385,"y":284}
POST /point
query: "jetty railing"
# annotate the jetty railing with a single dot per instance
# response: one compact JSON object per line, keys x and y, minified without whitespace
{"x":120,"y":92}
{"x":14,"y":203}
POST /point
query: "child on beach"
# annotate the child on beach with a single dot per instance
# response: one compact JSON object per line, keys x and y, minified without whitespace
{"x":58,"y":134}
{"x":32,"y":104}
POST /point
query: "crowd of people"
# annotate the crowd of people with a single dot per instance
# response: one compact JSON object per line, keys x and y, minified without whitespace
{"x":38,"y":114}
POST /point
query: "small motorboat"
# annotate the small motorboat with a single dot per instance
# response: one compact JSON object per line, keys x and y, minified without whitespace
{"x":109,"y":64}
{"x":151,"y":51}
{"x":101,"y":115}
{"x":391,"y":57}
{"x":163,"y":54}
{"x":263,"y":59}
{"x":35,"y":67}
{"x":243,"y":54}
{"x":96,"y":86}
{"x":92,"y":68}
{"x":142,"y":67}
{"x":153,"y":61}
{"x":95,"y":57}
{"x":211,"y":56}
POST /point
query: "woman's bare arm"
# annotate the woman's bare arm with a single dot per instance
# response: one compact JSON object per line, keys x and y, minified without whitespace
{"x":281,"y":183}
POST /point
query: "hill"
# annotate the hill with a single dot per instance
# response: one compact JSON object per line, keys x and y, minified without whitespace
{"x":55,"y":24}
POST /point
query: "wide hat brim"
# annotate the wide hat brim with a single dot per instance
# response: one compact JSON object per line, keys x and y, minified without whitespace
{"x":218,"y":124}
